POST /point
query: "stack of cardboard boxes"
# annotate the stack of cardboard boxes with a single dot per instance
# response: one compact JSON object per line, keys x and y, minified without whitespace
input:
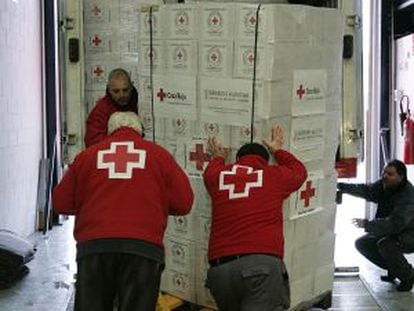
{"x":202,"y":72}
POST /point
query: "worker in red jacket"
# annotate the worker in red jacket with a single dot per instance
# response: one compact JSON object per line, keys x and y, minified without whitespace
{"x":121,"y":95}
{"x":121,"y":192}
{"x":246,"y":240}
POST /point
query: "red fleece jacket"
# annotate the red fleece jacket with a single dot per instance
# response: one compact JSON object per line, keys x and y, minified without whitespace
{"x":249,"y":219}
{"x":97,"y":122}
{"x":108,"y":203}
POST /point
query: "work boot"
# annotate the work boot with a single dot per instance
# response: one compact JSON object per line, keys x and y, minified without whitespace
{"x":407,"y":284}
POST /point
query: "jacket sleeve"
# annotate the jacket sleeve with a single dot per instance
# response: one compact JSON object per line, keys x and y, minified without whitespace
{"x":400,"y":219}
{"x":212,"y":172}
{"x":290,"y":170}
{"x":64,"y":194}
{"x":180,"y":192}
{"x":369,"y":192}
{"x":96,"y":127}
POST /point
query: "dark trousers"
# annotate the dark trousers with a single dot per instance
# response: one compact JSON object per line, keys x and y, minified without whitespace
{"x":387,"y":253}
{"x":133,"y":279}
{"x":250,"y":283}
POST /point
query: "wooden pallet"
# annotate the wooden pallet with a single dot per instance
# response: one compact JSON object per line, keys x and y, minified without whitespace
{"x":169,"y":303}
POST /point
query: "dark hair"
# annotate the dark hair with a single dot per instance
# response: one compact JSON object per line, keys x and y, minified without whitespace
{"x":399,"y":167}
{"x":253,"y":148}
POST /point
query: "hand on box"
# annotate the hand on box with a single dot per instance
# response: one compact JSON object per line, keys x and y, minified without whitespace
{"x":215,"y":149}
{"x":276,"y":141}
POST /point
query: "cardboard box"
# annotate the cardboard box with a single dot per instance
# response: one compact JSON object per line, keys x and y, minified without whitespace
{"x":216,"y":58}
{"x":217,"y":21}
{"x":181,"y":57}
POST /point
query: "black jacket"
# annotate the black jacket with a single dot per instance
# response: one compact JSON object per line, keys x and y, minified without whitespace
{"x":395,"y":213}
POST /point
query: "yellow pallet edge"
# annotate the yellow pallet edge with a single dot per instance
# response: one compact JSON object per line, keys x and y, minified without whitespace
{"x":167,"y":302}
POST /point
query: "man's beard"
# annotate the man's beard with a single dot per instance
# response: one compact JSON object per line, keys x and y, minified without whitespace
{"x":121,"y":102}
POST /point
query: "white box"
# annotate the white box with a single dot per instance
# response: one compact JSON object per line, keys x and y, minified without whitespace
{"x":158,"y":17}
{"x":306,"y":231}
{"x":147,"y":122}
{"x":99,"y":42}
{"x":217,"y":21}
{"x":181,"y":21}
{"x":179,"y":253}
{"x":178,"y":283}
{"x":197,"y":157}
{"x":182,"y":227}
{"x":246,"y":19}
{"x":203,"y":229}
{"x":181,"y":57}
{"x":225,"y":101}
{"x":326,"y":249}
{"x":216,"y":58}
{"x":175,"y":96}
{"x":328,"y":190}
{"x":301,"y":290}
{"x":241,"y":135}
{"x":158,"y":57}
{"x":102,"y":14}
{"x":324,"y":279}
{"x":303,"y":262}
{"x":307,"y":200}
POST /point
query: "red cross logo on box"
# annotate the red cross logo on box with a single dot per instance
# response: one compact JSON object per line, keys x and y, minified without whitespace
{"x":199,"y":156}
{"x":308,"y":193}
{"x":300,"y":91}
{"x":96,"y":41}
{"x":240,"y":180}
{"x":98,"y":71}
{"x":120,"y":159}
{"x":161,"y":94}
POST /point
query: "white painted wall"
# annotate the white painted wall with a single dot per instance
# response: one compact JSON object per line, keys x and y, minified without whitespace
{"x":20,"y":113}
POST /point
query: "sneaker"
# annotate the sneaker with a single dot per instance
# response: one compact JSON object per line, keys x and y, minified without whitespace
{"x":406,"y":285}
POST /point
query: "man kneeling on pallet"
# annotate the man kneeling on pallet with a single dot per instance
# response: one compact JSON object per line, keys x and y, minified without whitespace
{"x":246,"y":240}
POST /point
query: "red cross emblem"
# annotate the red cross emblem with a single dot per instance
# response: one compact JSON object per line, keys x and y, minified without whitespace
{"x":308,"y":193}
{"x":252,"y":20}
{"x":98,"y":71}
{"x":300,"y":91}
{"x":180,"y":55}
{"x":161,"y":94}
{"x":199,"y":156}
{"x":96,"y":11}
{"x":250,"y":57}
{"x":213,"y":57}
{"x":181,"y":19}
{"x":240,"y":180}
{"x":120,"y":159}
{"x":96,"y":40}
{"x":215,"y":20}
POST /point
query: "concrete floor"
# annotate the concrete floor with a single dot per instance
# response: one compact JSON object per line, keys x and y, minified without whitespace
{"x":49,"y":285}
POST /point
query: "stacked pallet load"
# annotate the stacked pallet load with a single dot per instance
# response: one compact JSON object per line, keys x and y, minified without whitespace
{"x":198,"y":65}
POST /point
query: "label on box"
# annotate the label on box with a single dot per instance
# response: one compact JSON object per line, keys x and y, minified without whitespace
{"x":225,"y":101}
{"x":175,"y":97}
{"x":309,"y":92}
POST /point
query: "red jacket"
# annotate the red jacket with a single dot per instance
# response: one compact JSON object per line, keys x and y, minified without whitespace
{"x":97,"y":122}
{"x":248,"y":217}
{"x":108,"y":203}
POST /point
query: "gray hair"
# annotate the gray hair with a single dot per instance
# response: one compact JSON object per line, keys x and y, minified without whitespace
{"x":124,"y":119}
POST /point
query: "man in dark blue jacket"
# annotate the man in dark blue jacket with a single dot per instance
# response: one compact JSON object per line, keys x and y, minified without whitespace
{"x":391,"y":233}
